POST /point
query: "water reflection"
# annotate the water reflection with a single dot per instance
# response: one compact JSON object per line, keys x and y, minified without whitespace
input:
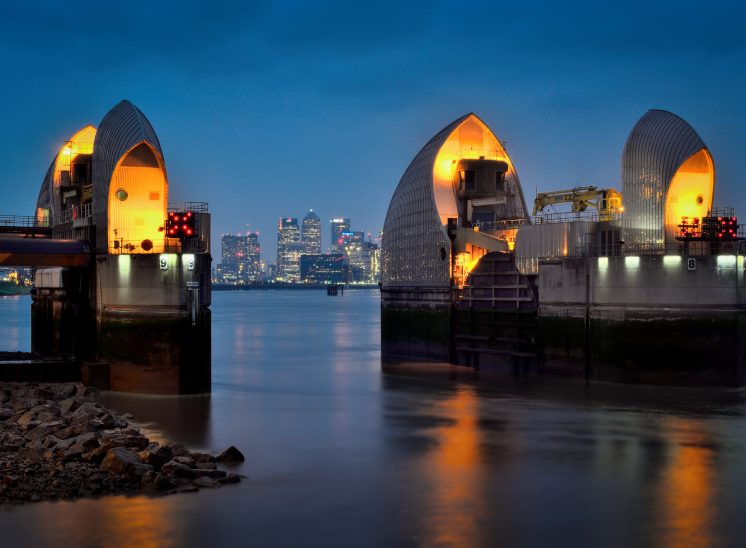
{"x":453,"y":471}
{"x":686,"y":489}
{"x":167,"y":418}
{"x":341,"y":453}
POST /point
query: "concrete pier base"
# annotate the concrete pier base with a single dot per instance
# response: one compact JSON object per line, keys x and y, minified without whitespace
{"x":685,"y":347}
{"x":416,"y":324}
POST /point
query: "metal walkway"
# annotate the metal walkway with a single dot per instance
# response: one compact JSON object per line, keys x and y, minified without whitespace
{"x":40,"y":252}
{"x":24,"y":224}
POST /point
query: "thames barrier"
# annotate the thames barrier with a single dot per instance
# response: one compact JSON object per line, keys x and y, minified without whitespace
{"x":643,"y":285}
{"x":122,"y":284}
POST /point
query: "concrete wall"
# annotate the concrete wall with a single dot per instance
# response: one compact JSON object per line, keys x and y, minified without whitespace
{"x":648,"y":280}
{"x":141,"y":280}
{"x":648,"y":320}
{"x":154,"y":322}
{"x":416,"y":324}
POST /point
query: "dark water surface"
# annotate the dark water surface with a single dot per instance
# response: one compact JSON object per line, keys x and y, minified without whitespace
{"x":341,"y":452}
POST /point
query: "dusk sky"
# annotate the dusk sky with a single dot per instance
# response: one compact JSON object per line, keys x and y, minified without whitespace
{"x":267,"y":109}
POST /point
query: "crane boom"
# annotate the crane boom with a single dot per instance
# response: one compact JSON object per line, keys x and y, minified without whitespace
{"x":607,"y":201}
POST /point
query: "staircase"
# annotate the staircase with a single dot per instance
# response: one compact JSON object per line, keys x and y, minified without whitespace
{"x":496,"y":317}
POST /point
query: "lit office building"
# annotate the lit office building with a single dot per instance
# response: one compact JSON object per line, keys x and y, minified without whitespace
{"x":323,"y":269}
{"x":253,"y":262}
{"x":311,"y":234}
{"x":287,"y":233}
{"x":338,"y":226}
{"x":371,"y":262}
{"x":351,"y":246}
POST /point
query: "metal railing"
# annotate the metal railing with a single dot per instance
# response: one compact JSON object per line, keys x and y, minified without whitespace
{"x":160,"y":245}
{"x":25,"y":221}
{"x":76,"y":212}
{"x":694,"y":248}
{"x":570,"y":216}
{"x":196,"y":207}
{"x":498,"y":225}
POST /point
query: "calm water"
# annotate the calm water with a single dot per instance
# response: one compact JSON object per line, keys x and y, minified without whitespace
{"x":341,"y":453}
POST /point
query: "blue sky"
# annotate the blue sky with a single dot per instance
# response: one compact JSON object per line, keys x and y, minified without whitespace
{"x":267,"y":109}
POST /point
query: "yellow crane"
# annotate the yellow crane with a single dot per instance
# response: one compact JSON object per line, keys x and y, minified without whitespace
{"x":607,"y":201}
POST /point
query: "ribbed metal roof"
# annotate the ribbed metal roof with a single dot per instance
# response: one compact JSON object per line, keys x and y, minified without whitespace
{"x":655,"y":149}
{"x":44,"y":200}
{"x":123,"y":128}
{"x":412,"y":232}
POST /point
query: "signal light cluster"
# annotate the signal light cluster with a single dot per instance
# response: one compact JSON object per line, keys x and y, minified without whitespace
{"x":712,"y":229}
{"x":180,"y":224}
{"x":726,"y":228}
{"x":690,"y":230}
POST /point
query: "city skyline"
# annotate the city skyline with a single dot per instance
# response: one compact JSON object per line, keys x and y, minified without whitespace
{"x":268,"y":235}
{"x":342,"y":98}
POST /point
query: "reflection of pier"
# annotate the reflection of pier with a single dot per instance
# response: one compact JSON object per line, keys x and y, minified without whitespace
{"x":120,"y":286}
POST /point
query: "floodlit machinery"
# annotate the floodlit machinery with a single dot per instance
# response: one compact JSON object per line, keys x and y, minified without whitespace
{"x":607,"y":201}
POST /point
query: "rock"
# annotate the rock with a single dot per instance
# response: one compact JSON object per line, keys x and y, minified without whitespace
{"x":156,"y":457}
{"x":204,"y":481}
{"x":202,"y":457}
{"x":87,"y":441}
{"x":230,"y":478}
{"x":65,"y":390}
{"x":230,"y":455}
{"x":68,"y":405}
{"x":205,"y":466}
{"x":214,"y":474}
{"x":178,"y":470}
{"x":5,"y":414}
{"x":74,"y":452}
{"x":127,"y":438}
{"x":184,"y":460}
{"x":72,"y":431}
{"x":24,"y":420}
{"x":178,"y":450}
{"x":96,"y":455}
{"x":30,"y":453}
{"x":159,"y":482}
{"x":86,"y":412}
{"x":19,"y":404}
{"x":124,"y":462}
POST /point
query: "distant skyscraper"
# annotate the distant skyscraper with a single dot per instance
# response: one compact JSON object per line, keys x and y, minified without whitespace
{"x":240,"y":259}
{"x":338,"y":226}
{"x":233,"y":250}
{"x":287,"y":233}
{"x":352,"y":247}
{"x":371,"y":262}
{"x":253,"y":262}
{"x":311,"y":234}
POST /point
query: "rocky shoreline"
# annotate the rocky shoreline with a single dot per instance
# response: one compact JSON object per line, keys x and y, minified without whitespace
{"x":57,"y":442}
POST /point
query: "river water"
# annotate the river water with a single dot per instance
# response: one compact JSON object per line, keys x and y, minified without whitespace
{"x":344,"y":452}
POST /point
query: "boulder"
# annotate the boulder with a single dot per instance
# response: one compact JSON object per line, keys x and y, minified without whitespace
{"x":156,"y":457}
{"x":24,"y":420}
{"x":68,"y":405}
{"x":125,"y":463}
{"x":159,"y":482}
{"x":230,"y":478}
{"x":87,"y":441}
{"x":232,"y":454}
{"x":178,"y":450}
{"x":204,"y":481}
{"x":178,"y":470}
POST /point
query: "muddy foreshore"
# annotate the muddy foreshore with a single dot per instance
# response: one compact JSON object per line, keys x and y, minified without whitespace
{"x":57,"y":442}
